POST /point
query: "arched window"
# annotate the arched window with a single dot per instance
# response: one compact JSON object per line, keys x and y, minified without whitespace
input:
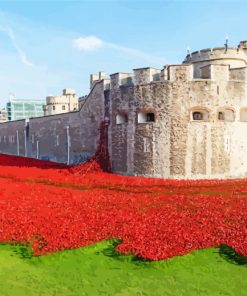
{"x":199,"y":114}
{"x":243,"y":114}
{"x":121,"y":118}
{"x":145,"y":117}
{"x":226,"y":114}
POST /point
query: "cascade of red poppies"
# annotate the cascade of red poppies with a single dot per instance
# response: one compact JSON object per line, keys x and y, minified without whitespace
{"x":52,"y":208}
{"x":100,"y":161}
{"x":102,"y":153}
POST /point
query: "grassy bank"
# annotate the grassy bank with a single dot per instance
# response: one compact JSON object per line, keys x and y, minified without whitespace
{"x":99,"y":270}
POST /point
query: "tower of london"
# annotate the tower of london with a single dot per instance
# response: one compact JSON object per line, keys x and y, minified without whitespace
{"x":184,"y":121}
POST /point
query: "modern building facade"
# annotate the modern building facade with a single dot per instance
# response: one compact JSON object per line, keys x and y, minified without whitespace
{"x":24,"y":109}
{"x":61,"y":104}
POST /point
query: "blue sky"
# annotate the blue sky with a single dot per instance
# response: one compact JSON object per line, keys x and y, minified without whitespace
{"x":46,"y":46}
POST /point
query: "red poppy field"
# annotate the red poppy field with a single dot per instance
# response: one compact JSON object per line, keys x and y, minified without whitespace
{"x":53,"y":207}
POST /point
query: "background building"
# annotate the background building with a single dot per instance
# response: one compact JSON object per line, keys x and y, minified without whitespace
{"x":23,"y":109}
{"x":61,"y":104}
{"x":3,"y":115}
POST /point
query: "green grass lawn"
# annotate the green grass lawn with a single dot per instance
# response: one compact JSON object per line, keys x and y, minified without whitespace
{"x":99,"y":270}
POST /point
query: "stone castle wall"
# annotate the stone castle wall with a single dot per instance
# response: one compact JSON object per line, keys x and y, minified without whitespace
{"x":47,"y":136}
{"x":140,"y":149}
{"x":9,"y":132}
{"x":175,"y":146}
{"x":214,"y":148}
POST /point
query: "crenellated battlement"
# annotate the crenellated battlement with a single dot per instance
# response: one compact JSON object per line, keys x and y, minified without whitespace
{"x":147,"y":75}
{"x":230,"y":61}
{"x":120,"y":78}
{"x":186,"y":72}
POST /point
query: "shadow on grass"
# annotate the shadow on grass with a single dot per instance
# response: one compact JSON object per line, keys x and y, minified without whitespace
{"x":231,"y":256}
{"x":226,"y":252}
{"x":23,"y":251}
{"x":111,"y":251}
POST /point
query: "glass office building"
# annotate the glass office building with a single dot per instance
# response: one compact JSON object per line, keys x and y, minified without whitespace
{"x":24,"y":109}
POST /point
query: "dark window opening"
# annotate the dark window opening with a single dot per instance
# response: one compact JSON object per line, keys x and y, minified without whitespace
{"x":150,"y":117}
{"x":221,"y":116}
{"x":226,"y":115}
{"x":197,"y":115}
{"x":63,"y":107}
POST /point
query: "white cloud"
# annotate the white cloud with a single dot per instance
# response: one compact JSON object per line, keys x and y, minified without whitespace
{"x":91,"y":43}
{"x":22,"y":55}
{"x":136,"y":53}
{"x":88,"y":43}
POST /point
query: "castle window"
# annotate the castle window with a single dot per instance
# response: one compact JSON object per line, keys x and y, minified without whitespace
{"x":92,"y":117}
{"x":63,"y":107}
{"x":57,"y":140}
{"x":243,"y":114}
{"x":200,"y":115}
{"x":121,"y":118}
{"x":53,"y":107}
{"x":197,"y":115}
{"x":144,"y":117}
{"x":11,"y":139}
{"x":150,"y":117}
{"x":221,"y":116}
{"x":226,"y":115}
{"x":147,"y":144}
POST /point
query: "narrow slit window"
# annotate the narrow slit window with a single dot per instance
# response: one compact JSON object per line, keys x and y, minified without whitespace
{"x":221,"y":115}
{"x":57,"y":140}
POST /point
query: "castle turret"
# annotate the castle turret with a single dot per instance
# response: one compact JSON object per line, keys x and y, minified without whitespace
{"x":234,"y":57}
